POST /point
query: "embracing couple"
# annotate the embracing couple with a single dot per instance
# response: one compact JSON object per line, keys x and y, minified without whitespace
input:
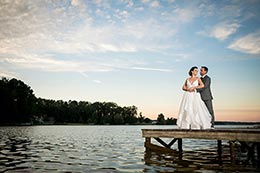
{"x":196,"y":110}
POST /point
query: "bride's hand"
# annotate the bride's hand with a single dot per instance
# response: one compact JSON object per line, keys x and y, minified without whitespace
{"x":192,"y":89}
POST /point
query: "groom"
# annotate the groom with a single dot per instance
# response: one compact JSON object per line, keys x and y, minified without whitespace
{"x":205,"y":92}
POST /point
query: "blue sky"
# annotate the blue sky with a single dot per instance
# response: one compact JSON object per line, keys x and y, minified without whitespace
{"x":135,"y":52}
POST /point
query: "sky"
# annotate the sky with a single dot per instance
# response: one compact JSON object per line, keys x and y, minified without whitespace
{"x":135,"y":52}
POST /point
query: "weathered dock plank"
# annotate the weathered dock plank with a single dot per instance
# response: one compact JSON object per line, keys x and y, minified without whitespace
{"x":246,"y":135}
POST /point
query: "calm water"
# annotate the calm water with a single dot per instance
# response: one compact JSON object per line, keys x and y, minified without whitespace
{"x":106,"y":149}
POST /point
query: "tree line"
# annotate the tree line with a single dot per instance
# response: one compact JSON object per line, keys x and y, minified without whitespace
{"x":19,"y":105}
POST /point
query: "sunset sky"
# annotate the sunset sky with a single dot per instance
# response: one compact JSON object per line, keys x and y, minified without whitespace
{"x":135,"y":52}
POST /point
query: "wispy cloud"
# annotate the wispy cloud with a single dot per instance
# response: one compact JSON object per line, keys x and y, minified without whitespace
{"x":155,"y":4}
{"x":248,"y":44}
{"x":186,"y":14}
{"x":8,"y":74}
{"x":37,"y":34}
{"x":52,"y":63}
{"x":42,"y":63}
{"x":97,"y":81}
{"x":152,"y":69}
{"x":221,"y":31}
{"x":42,"y":26}
{"x":145,"y":1}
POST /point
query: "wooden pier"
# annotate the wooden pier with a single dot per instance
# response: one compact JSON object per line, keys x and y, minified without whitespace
{"x":249,"y":139}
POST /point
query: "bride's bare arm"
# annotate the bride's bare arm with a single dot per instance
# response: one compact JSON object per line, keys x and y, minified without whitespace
{"x":184,"y":87}
{"x":201,"y":84}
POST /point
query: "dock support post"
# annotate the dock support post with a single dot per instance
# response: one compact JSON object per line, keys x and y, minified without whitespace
{"x":180,"y":148}
{"x":162,"y":142}
{"x":251,"y":151}
{"x":180,"y":144}
{"x":219,"y":149}
{"x":232,"y":150}
{"x":147,"y":141}
{"x":258,"y":151}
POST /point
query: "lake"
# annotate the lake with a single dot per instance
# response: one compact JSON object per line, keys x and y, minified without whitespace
{"x":100,"y":149}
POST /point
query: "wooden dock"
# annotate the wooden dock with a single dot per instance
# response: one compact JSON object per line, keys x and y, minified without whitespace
{"x":249,"y":139}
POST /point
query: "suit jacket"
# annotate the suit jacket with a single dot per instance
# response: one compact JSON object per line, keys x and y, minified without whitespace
{"x":205,"y":92}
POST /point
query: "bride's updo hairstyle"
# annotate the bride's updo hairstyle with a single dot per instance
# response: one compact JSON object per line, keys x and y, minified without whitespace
{"x":192,"y":68}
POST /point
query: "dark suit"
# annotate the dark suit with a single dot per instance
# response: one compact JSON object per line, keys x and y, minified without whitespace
{"x":206,"y":96}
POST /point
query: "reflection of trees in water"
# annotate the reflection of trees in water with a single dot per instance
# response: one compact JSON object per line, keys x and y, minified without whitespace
{"x":201,"y":159}
{"x":13,"y":152}
{"x":247,"y":152}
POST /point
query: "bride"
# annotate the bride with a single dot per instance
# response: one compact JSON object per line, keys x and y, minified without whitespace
{"x":193,"y":113}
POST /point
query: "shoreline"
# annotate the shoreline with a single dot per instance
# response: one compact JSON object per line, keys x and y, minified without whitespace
{"x":91,"y":124}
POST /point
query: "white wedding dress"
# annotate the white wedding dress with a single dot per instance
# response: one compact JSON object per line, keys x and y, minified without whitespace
{"x":193,"y":113}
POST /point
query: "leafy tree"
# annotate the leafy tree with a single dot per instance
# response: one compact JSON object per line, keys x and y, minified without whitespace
{"x":141,"y":118}
{"x":160,"y":119}
{"x":147,"y":120}
{"x":16,"y":101}
{"x":171,"y":121}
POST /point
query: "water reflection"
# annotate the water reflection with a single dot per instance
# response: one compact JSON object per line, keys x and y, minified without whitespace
{"x":105,"y":149}
{"x":14,"y":152}
{"x":70,"y":149}
{"x":196,"y":158}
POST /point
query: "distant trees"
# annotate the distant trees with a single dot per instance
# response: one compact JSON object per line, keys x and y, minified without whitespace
{"x":18,"y":105}
{"x":168,"y":121}
{"x":99,"y":113}
{"x":160,"y":119}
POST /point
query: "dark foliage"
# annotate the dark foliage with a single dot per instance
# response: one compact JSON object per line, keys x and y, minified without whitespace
{"x":19,"y":105}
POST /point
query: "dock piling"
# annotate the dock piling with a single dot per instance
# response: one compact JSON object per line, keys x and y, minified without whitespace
{"x":244,"y":136}
{"x":219,"y":149}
